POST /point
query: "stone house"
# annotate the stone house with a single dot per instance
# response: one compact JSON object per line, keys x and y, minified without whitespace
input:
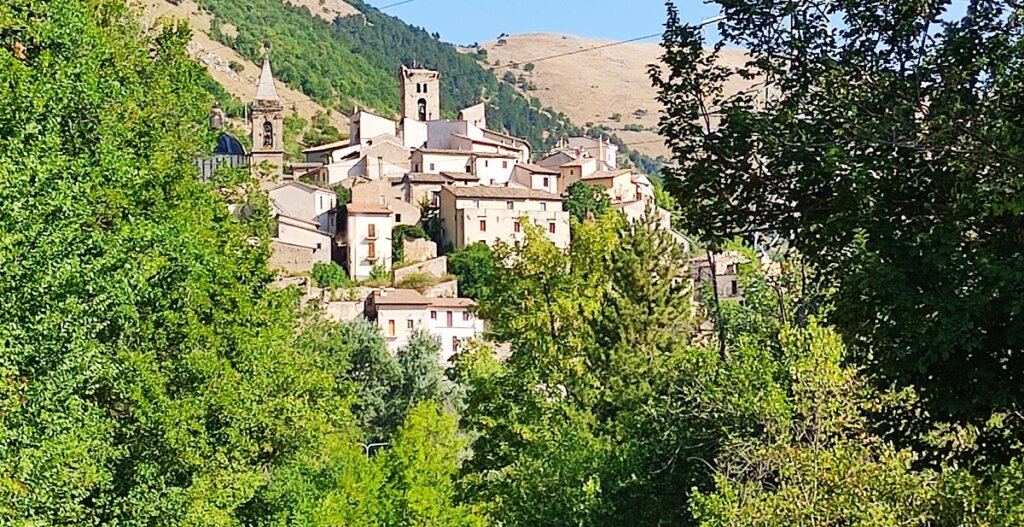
{"x":453,"y":322}
{"x":722,"y":269}
{"x":435,"y":161}
{"x":537,"y":177}
{"x":595,"y":148}
{"x":489,"y":214}
{"x":397,"y":313}
{"x":368,"y":233}
{"x":306,"y":222}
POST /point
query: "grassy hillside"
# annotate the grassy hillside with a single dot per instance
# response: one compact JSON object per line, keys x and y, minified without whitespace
{"x":354,"y":60}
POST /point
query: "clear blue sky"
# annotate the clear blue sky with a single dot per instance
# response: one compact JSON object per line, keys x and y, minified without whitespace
{"x":469,"y":21}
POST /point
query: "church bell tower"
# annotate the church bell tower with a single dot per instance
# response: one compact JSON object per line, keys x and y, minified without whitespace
{"x":267,"y":127}
{"x":421,"y":94}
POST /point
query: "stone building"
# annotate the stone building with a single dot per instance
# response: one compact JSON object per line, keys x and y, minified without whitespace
{"x":267,"y":127}
{"x":489,"y":214}
{"x":421,"y":94}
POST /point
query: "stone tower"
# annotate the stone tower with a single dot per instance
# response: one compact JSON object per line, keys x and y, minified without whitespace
{"x":267,"y":125}
{"x":421,"y":94}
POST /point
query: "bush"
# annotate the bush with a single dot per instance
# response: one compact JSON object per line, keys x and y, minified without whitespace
{"x":418,"y":281}
{"x":236,"y":66}
{"x":330,"y":276}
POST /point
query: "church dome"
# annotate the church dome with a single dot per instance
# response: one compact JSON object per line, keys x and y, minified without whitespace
{"x":228,"y":145}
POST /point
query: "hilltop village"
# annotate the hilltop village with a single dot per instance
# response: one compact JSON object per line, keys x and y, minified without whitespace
{"x":400,"y":179}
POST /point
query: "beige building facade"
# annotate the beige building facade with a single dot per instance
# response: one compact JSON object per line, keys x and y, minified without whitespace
{"x":489,"y":214}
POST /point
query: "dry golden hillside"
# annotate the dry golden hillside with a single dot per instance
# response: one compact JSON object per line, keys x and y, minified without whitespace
{"x":594,"y":86}
{"x":217,"y":57}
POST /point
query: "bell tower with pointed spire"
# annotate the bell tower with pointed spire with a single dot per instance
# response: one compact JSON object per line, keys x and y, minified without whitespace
{"x":267,"y":125}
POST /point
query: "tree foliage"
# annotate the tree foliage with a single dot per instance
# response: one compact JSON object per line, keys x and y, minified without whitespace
{"x":583,"y":201}
{"x":148,"y":375}
{"x":887,"y":149}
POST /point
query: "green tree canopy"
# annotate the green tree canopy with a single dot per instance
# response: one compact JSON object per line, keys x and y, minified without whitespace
{"x":887,"y":148}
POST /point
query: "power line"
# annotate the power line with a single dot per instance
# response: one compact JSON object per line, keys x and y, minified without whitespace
{"x":396,"y":4}
{"x":584,"y":50}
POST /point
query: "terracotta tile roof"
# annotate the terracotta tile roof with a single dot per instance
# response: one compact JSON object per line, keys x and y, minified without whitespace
{"x":578,"y":162}
{"x":366,"y":208}
{"x":608,"y":174}
{"x":447,"y":151}
{"x":489,"y":142}
{"x":460,"y":176}
{"x":537,"y":169}
{"x":400,"y":297}
{"x":422,"y":177}
{"x":500,"y":193}
{"x":328,"y":146}
{"x":452,"y":302}
{"x":495,"y":154}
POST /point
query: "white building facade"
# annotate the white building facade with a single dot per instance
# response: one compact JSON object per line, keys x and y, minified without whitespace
{"x":368,"y":239}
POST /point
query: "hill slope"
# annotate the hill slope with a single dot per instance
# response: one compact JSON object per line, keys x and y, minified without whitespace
{"x":593,"y":86}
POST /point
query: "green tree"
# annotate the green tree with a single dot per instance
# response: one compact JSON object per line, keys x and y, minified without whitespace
{"x":151,"y":377}
{"x":884,"y":150}
{"x":474,"y":266}
{"x":422,"y":465}
{"x":583,"y":200}
{"x":816,"y":462}
{"x":579,"y":425}
{"x":330,"y":275}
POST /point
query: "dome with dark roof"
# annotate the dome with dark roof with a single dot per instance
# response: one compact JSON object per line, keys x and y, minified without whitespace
{"x":228,"y":145}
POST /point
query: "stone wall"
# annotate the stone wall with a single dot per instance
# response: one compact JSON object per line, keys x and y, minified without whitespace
{"x":344,"y":311}
{"x":419,"y":250}
{"x":448,"y":289}
{"x":290,"y":258}
{"x":436,"y":267}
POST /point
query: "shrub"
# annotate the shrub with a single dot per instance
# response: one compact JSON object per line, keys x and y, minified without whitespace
{"x":330,"y":276}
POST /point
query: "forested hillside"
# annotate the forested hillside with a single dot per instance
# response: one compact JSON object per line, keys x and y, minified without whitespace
{"x":355,"y":61}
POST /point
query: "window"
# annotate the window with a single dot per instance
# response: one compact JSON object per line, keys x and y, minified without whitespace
{"x":476,"y":204}
{"x":432,"y":167}
{"x":435,"y":199}
{"x":455,"y":344}
{"x":543,"y":206}
{"x":422,"y":109}
{"x":483,"y":225}
{"x":730,"y":269}
{"x":504,"y":164}
{"x":419,"y":87}
{"x":409,"y":324}
{"x":465,"y":316}
{"x":371,"y":230}
{"x":268,"y":135}
{"x":391,"y":328}
{"x":516,"y":227}
{"x":372,"y":251}
{"x":735,"y":288}
{"x":450,"y":319}
{"x":486,"y":163}
{"x":551,"y":227}
{"x":510,"y":205}
{"x":425,"y":85}
{"x":415,"y":167}
{"x":398,"y":218}
{"x":547,"y":182}
{"x":321,"y":202}
{"x":433,"y":315}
